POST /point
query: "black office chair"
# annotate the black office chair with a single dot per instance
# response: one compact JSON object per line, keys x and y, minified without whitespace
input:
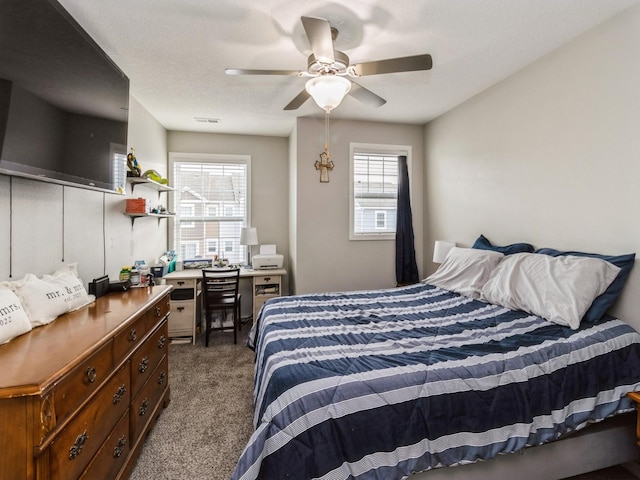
{"x":219,"y":295}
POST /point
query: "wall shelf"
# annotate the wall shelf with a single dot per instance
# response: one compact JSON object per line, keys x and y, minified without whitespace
{"x":133,"y":181}
{"x":159,"y":216}
{"x":148,"y":183}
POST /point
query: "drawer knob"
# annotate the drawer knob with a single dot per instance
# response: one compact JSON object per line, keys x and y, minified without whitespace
{"x":119,"y":448}
{"x":161,"y":378}
{"x":143,"y":407}
{"x":161,"y":342}
{"x":91,"y":374}
{"x":119,"y":394}
{"x":76,"y":449}
{"x":158,"y":310}
{"x":133,"y":336}
{"x":143,"y":365}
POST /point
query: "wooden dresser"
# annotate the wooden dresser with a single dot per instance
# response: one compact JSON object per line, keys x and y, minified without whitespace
{"x":78,"y":396}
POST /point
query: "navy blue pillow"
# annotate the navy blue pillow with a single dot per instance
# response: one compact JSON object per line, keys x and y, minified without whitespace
{"x":602,"y":303}
{"x":483,"y":243}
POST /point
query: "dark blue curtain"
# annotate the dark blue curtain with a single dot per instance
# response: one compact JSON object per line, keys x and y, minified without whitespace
{"x":406,"y":267}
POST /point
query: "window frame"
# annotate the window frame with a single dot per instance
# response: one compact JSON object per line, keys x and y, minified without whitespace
{"x":372,"y":149}
{"x":208,"y":158}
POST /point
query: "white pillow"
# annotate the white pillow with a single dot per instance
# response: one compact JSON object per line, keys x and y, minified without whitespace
{"x":67,"y":278}
{"x":46,"y":298}
{"x":13,"y":319}
{"x":559,"y":289}
{"x":465,"y":270}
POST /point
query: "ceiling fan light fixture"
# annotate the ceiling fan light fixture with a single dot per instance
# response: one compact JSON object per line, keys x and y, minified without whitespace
{"x":328,"y":90}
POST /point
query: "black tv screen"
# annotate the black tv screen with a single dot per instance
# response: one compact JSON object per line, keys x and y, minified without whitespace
{"x":63,"y":102}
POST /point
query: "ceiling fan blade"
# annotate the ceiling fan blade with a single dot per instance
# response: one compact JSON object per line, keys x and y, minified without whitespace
{"x":302,"y":97}
{"x":366,"y":96}
{"x":318,"y":31}
{"x":392,"y":65}
{"x":242,"y":71}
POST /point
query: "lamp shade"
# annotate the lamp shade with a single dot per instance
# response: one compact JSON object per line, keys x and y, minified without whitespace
{"x":249,"y":236}
{"x":440,"y":250}
{"x":328,"y":90}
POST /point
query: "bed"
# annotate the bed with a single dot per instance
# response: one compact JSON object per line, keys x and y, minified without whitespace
{"x":383,"y":384}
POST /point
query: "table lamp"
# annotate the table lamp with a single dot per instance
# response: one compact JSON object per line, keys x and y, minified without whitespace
{"x":248,"y":237}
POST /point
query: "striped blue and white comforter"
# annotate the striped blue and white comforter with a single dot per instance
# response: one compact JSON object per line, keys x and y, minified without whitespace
{"x":380,"y":384}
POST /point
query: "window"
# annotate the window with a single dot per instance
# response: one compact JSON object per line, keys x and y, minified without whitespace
{"x":374,"y":191}
{"x":119,"y":156}
{"x":212,"y":246}
{"x":212,"y":210}
{"x":189,"y":250}
{"x":187,"y":210}
{"x":381,"y":219}
{"x":211,"y":196}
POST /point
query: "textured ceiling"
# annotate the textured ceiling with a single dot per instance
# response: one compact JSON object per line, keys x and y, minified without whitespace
{"x":175,"y":52}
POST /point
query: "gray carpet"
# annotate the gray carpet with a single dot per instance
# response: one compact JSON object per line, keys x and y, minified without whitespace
{"x":209,"y":420}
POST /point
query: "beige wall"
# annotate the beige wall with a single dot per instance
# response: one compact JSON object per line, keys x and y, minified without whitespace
{"x":293,"y":209}
{"x":269,"y":179}
{"x":550,"y":156}
{"x":52,"y":224}
{"x":325,"y":258}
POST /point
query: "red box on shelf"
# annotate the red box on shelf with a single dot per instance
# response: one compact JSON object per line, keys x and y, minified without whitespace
{"x":137,"y":205}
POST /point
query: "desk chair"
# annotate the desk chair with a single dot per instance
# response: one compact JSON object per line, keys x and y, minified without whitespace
{"x":220,"y":294}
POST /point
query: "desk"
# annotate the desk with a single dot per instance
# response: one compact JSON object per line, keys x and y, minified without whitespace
{"x":186,"y":304}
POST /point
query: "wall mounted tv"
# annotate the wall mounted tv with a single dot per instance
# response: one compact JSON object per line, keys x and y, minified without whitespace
{"x":63,"y":102}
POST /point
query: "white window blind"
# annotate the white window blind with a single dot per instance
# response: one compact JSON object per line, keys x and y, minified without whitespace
{"x":119,"y":174}
{"x":374,"y":194}
{"x":211,"y":199}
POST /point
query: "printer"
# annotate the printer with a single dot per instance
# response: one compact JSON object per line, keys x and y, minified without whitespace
{"x":267,"y":258}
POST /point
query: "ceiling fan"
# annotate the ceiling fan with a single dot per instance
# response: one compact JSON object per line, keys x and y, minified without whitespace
{"x":328,"y":69}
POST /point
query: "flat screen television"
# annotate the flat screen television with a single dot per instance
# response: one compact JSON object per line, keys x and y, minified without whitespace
{"x":63,"y":102}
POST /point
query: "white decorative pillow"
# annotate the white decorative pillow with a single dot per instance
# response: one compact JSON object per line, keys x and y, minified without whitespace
{"x":559,"y":289}
{"x":13,"y":319}
{"x":44,"y":299}
{"x":67,"y":278}
{"x":465,"y":270}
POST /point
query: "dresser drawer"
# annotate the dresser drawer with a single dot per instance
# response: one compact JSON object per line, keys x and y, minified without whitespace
{"x":81,"y":382}
{"x":142,"y":407}
{"x":113,"y":453}
{"x":157,"y":312}
{"x":145,"y":359}
{"x":127,"y":340}
{"x":76,"y":445}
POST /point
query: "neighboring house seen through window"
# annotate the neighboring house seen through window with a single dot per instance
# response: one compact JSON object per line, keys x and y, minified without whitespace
{"x":211,"y":197}
{"x":374,"y":191}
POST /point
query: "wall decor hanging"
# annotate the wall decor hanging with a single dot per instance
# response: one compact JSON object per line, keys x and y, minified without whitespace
{"x":325,"y":164}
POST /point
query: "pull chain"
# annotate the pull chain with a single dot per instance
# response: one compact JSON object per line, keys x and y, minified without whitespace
{"x":326,"y":134}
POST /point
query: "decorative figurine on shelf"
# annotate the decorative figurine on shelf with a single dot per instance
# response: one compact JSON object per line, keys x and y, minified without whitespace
{"x":132,"y":163}
{"x":324,"y":165}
